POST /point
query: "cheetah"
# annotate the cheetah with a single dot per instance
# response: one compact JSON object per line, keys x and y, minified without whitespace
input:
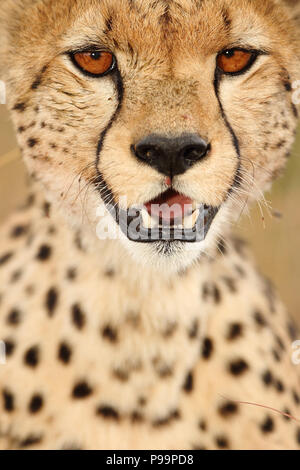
{"x":124,"y":329}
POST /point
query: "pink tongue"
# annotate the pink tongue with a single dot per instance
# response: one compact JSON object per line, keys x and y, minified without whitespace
{"x":170,"y":205}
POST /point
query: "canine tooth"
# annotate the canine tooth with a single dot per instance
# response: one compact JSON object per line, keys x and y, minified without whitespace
{"x":190,"y":221}
{"x":148,"y":221}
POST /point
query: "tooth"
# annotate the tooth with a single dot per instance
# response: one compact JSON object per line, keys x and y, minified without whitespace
{"x":190,"y":221}
{"x":148,"y":221}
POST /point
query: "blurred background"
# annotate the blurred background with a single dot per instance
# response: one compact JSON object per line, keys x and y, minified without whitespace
{"x":274,"y":236}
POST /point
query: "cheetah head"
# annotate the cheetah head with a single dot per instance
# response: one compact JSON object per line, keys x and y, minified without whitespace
{"x":163,"y":117}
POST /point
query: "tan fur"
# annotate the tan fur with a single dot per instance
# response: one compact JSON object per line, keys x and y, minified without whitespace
{"x":135,"y":340}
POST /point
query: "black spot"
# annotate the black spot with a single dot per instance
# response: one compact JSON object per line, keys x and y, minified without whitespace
{"x":193,"y":331}
{"x":203,"y":425}
{"x":295,"y":111}
{"x":267,"y":378}
{"x":51,"y":301}
{"x":108,"y":24}
{"x":189,"y":383}
{"x":279,"y":386}
{"x":16,"y":276}
{"x":222,"y":247}
{"x":14,"y":317}
{"x":292,"y":331}
{"x":281,"y":144}
{"x":71,"y":274}
{"x":222,"y":442}
{"x":173,"y":415}
{"x":30,"y":440}
{"x":110,"y":273}
{"x":296,"y":397}
{"x":280,"y":343}
{"x":44,"y":253}
{"x":238,"y":367}
{"x":108,"y":412}
{"x":46,"y":209}
{"x":240,"y":246}
{"x":36,"y":404}
{"x":32,"y":142}
{"x":78,"y":317}
{"x":230,"y":283}
{"x":19,"y":107}
{"x":110,"y":333}
{"x":19,"y":230}
{"x":142,"y":401}
{"x":211,"y":291}
{"x":164,"y":371}
{"x":136,"y":417}
{"x":5,"y":258}
{"x":199,"y":447}
{"x":64,"y":353}
{"x":82,"y":390}
{"x":276,"y":355}
{"x":235,"y":331}
{"x":8,"y":401}
{"x":240,"y":271}
{"x":36,"y":83}
{"x":287,"y":86}
{"x":78,"y":242}
{"x":228,"y":409}
{"x":21,"y":129}
{"x":286,"y":411}
{"x":169,"y":330}
{"x":9,"y":347}
{"x":121,"y":375}
{"x":268,"y":425}
{"x":259,"y":319}
{"x":31,"y":357}
{"x":207,"y":348}
{"x":226,"y":18}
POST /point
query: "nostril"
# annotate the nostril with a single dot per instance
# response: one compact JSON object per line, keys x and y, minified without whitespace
{"x":193,"y":153}
{"x":146,"y":152}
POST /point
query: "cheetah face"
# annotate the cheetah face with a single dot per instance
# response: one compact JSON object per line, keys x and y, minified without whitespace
{"x":171,"y":115}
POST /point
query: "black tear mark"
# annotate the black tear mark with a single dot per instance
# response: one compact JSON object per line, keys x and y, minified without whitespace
{"x":105,"y":192}
{"x":235,"y":141}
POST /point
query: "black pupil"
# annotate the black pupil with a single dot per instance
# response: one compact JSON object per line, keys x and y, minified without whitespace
{"x":95,"y":55}
{"x":230,"y":53}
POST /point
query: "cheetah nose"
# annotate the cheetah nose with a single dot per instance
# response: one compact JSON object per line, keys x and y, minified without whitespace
{"x":171,"y":156}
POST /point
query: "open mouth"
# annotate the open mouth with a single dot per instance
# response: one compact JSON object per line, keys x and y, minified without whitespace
{"x":169,"y":217}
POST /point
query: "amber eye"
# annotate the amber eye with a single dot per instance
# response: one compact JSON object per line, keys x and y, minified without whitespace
{"x":94,"y":63}
{"x":234,"y":61}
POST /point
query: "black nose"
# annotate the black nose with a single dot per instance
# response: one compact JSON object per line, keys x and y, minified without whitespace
{"x":171,"y":156}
